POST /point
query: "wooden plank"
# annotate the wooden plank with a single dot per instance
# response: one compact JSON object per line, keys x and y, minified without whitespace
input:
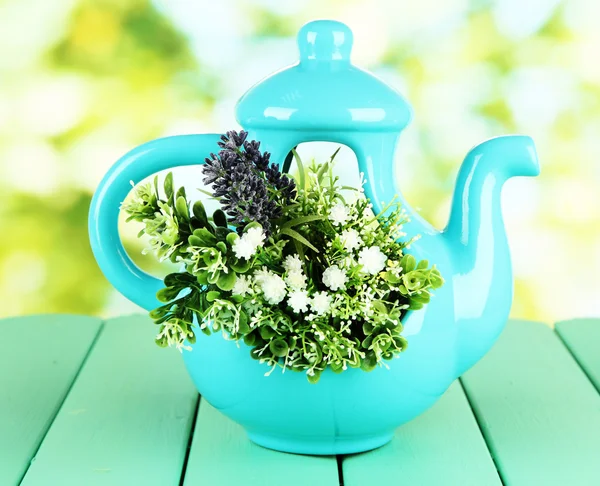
{"x":39,"y":359}
{"x":538,"y":411}
{"x":127,"y":418}
{"x":442,"y":446}
{"x":222,"y":455}
{"x":581,"y":336}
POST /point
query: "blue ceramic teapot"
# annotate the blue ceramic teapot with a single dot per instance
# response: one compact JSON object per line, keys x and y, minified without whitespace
{"x":325,"y":98}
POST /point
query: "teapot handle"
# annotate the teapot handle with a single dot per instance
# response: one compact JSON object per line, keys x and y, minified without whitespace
{"x":139,"y":163}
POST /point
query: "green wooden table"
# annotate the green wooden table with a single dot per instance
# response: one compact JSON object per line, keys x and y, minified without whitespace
{"x":80,"y":405}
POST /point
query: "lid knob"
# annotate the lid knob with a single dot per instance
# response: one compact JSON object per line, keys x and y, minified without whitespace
{"x":325,"y":40}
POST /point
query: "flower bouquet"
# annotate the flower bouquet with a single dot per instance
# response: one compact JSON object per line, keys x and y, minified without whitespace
{"x":297,"y":267}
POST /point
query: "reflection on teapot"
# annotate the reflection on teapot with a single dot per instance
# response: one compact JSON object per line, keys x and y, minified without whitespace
{"x":326,"y":98}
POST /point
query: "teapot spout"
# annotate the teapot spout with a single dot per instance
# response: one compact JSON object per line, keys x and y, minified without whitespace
{"x":483,"y":280}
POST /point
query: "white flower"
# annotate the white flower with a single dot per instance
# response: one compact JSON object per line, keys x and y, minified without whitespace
{"x":298,"y":301}
{"x":255,"y":236}
{"x":242,"y":286}
{"x":321,"y":302}
{"x":260,"y":275}
{"x":246,"y":246}
{"x":372,"y":259}
{"x":334,"y":278}
{"x":292,"y":264}
{"x":273,"y":287}
{"x":351,"y":239}
{"x":243,"y":248}
{"x":296,"y":280}
{"x":339,"y":214}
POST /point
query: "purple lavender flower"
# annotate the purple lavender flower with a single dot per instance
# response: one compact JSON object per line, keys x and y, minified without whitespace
{"x":250,"y":188}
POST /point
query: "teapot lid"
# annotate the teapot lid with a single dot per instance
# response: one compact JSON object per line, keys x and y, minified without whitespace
{"x":324,"y":91}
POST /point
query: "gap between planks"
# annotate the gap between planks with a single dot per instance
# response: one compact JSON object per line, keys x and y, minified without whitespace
{"x":481,"y":431}
{"x":189,"y":443}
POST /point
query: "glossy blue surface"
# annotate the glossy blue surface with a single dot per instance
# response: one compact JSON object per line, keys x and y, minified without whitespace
{"x":352,"y":411}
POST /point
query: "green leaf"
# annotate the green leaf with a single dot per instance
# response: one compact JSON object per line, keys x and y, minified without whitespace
{"x":422,"y":265}
{"x":254,"y":224}
{"x":205,"y":236}
{"x":267,"y":332}
{"x":232,"y":238}
{"x":301,"y":172}
{"x":401,"y":342}
{"x":213,"y":295}
{"x":236,"y":299}
{"x":380,"y":307}
{"x":322,"y":170}
{"x":240,"y":266}
{"x":195,"y":241}
{"x":162,"y":342}
{"x":298,"y":237}
{"x":336,"y":367}
{"x":250,"y":339}
{"x":219,"y":218}
{"x":221,"y":246}
{"x":202,"y":278}
{"x":335,"y":154}
{"x":168,"y":186}
{"x":369,"y":362}
{"x":422,"y":298}
{"x":302,"y":220}
{"x":244,"y":328}
{"x":408,"y":263}
{"x":200,"y":212}
{"x":167,"y":294}
{"x":226,"y":281}
{"x":314,"y":378}
{"x":181,"y":206}
{"x":390,"y":277}
{"x":278,"y":347}
{"x":222,"y":233}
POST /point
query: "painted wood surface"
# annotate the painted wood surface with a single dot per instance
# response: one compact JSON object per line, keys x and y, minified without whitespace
{"x":441,"y":447}
{"x":39,"y":359}
{"x":127,"y":418}
{"x":222,"y":455}
{"x":130,"y":406}
{"x":582,"y":338}
{"x":538,"y":411}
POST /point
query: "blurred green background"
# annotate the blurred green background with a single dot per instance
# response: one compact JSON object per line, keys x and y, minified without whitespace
{"x":82,"y":82}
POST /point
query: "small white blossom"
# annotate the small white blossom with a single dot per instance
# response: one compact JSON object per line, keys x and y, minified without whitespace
{"x":255,"y":236}
{"x":298,"y":301}
{"x":242,"y":286}
{"x":351,"y":239}
{"x":372,"y":259}
{"x":273,"y":287}
{"x":335,"y":278}
{"x":260,"y":275}
{"x":321,"y":302}
{"x":339,"y":214}
{"x":296,"y":280}
{"x":243,"y":248}
{"x":292,"y":263}
{"x":247,"y":245}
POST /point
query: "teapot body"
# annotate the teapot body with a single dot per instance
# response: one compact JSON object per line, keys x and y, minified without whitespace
{"x":343,"y":413}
